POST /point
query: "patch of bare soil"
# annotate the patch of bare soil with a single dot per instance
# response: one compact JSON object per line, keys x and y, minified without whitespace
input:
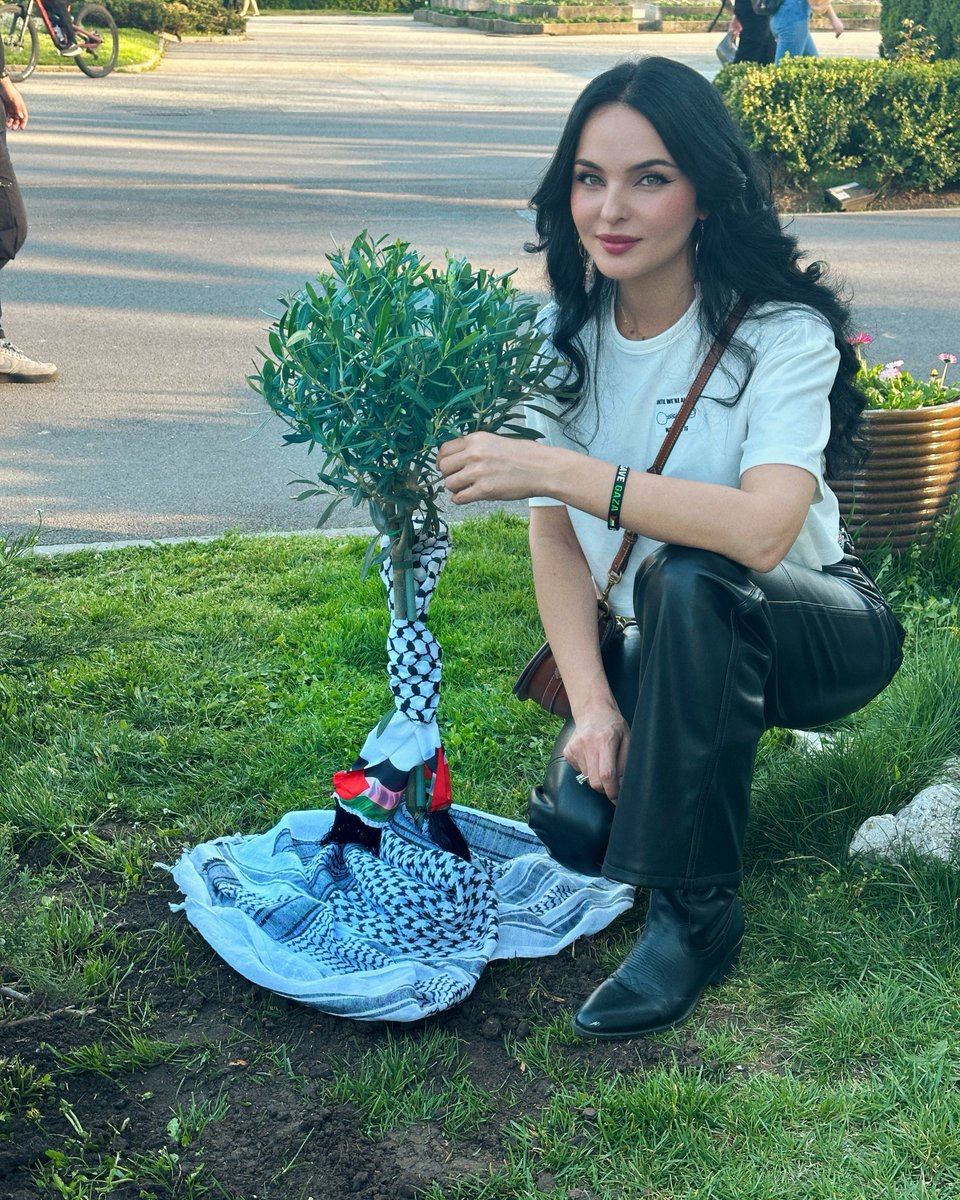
{"x":272,"y":1061}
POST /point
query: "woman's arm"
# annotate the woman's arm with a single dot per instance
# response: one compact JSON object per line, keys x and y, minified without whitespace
{"x":566,"y":597}
{"x":823,"y":8}
{"x":15,"y":111}
{"x":754,"y":524}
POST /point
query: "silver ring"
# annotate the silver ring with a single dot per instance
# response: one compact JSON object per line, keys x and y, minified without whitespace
{"x":583,"y":778}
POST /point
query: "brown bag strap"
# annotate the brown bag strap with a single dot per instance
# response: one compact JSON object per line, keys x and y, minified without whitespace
{"x":696,"y":388}
{"x":737,"y":313}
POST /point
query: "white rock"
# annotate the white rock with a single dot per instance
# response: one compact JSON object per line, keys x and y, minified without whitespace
{"x":929,"y":825}
{"x":808,"y":739}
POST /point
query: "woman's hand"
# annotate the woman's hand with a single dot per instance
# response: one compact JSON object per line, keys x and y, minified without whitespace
{"x":14,"y":108}
{"x":567,"y":599}
{"x":598,"y":749}
{"x":487,"y":466}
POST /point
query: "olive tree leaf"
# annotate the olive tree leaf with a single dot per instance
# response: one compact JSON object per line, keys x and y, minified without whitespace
{"x":384,"y":357}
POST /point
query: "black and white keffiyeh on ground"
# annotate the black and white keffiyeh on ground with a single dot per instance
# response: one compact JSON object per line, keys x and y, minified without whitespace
{"x":389,"y":907}
{"x":394,"y":936}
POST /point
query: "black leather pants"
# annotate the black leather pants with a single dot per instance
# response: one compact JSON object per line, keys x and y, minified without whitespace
{"x":725,"y":654}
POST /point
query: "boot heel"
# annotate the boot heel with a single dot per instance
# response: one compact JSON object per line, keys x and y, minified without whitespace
{"x":727,"y":966}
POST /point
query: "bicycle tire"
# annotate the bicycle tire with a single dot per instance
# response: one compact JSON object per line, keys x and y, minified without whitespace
{"x":101,"y":59}
{"x":21,"y":43}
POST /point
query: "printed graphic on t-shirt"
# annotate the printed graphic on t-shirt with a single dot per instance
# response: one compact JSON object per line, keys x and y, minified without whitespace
{"x":667,"y":408}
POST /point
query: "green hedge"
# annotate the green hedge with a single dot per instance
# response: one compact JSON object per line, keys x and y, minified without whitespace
{"x":221,"y":16}
{"x":895,"y":121}
{"x":172,"y":16}
{"x":940,"y":19}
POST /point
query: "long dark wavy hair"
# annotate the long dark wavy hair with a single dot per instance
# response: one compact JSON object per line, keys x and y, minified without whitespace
{"x":742,"y":248}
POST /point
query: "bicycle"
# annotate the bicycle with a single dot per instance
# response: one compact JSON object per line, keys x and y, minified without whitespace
{"x":94,"y":27}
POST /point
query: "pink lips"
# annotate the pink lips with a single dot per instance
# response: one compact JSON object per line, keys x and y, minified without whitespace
{"x":617,"y":245}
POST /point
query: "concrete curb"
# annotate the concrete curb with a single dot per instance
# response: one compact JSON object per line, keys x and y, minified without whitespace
{"x":49,"y":551}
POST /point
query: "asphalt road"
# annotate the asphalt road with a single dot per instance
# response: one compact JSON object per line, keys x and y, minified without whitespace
{"x":170,"y":209}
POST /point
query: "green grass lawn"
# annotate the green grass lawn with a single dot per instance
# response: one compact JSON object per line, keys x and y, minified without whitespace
{"x":152,"y":698}
{"x":137,"y":49}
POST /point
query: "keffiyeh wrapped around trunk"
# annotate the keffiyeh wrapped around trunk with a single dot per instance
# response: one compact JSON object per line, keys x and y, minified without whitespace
{"x":389,"y":765}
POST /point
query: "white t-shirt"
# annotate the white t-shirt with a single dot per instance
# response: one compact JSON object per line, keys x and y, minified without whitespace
{"x":636,"y":389}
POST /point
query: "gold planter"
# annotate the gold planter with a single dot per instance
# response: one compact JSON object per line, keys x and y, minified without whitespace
{"x":907,"y":483}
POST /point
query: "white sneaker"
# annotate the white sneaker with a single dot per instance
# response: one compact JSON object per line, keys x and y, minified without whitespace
{"x":72,"y":50}
{"x":16,"y":367}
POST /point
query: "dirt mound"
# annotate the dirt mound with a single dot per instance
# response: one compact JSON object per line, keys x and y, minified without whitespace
{"x":192,"y":1082}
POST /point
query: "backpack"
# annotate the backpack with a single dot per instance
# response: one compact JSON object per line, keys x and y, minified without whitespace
{"x":766,"y":8}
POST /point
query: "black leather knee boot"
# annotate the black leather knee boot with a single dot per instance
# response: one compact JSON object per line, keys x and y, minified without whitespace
{"x":691,"y":940}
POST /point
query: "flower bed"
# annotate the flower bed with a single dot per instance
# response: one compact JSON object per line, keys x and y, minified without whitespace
{"x":538,"y":12}
{"x":911,"y":429}
{"x":505,"y":16}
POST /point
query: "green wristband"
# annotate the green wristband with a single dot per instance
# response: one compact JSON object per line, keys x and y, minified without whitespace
{"x":616,"y":497}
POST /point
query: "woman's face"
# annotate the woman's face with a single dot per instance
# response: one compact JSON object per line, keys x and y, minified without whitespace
{"x":634,"y":209}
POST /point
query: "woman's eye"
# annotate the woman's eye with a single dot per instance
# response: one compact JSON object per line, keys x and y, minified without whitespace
{"x":652,"y":180}
{"x":589,"y":178}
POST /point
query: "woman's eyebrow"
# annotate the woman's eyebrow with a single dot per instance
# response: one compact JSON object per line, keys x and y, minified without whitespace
{"x":640,"y":166}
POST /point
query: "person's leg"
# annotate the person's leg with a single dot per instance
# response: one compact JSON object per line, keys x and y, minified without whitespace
{"x":756,"y":47}
{"x":794,"y":39}
{"x":680,"y":819}
{"x":15,"y":366}
{"x":810,"y":46}
{"x":63,"y":23}
{"x":837,"y":643}
{"x":726,"y":653}
{"x":13,"y":217}
{"x":756,"y":43}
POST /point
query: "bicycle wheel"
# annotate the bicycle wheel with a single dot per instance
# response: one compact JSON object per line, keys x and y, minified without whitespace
{"x":21,"y":45}
{"x":97,"y":33}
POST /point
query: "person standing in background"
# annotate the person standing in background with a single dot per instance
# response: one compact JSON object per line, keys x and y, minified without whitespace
{"x":755,"y":42}
{"x":15,"y":366}
{"x":790,"y":25}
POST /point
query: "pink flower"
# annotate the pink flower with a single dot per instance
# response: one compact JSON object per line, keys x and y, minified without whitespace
{"x":862,"y":339}
{"x":892,"y":370}
{"x":947,"y":358}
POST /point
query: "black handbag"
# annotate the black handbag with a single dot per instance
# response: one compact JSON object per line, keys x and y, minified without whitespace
{"x":571,"y":818}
